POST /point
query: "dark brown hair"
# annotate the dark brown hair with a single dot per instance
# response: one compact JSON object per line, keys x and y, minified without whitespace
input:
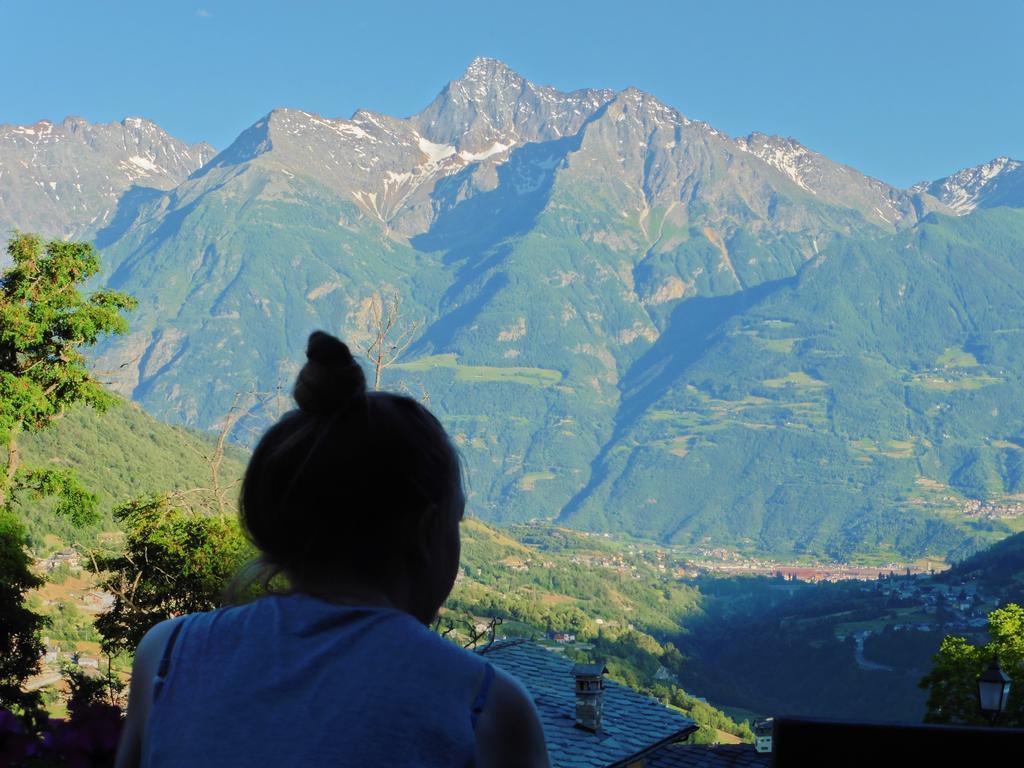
{"x":337,"y":483}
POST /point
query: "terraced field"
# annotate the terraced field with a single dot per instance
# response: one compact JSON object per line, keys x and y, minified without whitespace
{"x":534,"y":377}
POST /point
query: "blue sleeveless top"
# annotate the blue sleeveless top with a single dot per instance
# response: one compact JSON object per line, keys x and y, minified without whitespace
{"x":293,"y":680}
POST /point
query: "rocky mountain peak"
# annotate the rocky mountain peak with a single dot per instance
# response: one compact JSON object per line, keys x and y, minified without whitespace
{"x":1000,"y":181}
{"x":786,"y":155}
{"x":486,"y":75}
{"x":65,"y":179}
{"x":306,"y":142}
{"x":491,"y":104}
{"x":651,"y":114}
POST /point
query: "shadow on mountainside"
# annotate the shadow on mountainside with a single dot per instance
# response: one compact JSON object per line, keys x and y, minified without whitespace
{"x":692,"y":328}
{"x":129,"y":206}
{"x":474,"y":232}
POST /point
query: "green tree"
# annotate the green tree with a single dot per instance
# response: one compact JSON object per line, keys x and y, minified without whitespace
{"x":20,"y":646}
{"x":45,"y":322}
{"x":176,"y":560}
{"x":953,"y":682}
{"x":85,"y":690}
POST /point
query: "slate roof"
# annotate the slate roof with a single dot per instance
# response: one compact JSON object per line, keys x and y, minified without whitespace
{"x":709,"y":756}
{"x":634,"y":723}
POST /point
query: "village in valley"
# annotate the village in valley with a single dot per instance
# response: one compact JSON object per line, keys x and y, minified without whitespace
{"x":71,"y":600}
{"x":917,"y":597}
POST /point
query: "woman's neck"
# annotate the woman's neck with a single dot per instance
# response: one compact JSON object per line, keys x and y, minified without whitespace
{"x":347,"y":593}
{"x":401,"y":597}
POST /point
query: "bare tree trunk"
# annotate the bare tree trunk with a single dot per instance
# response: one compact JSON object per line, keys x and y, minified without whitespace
{"x":13,"y":462}
{"x":383,"y":351}
{"x":236,"y":413}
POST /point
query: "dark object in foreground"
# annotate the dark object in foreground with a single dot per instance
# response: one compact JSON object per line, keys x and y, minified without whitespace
{"x":993,"y":691}
{"x":88,"y":740}
{"x":833,"y":743}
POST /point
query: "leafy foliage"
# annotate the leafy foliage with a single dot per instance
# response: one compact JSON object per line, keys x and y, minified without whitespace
{"x":953,"y":682}
{"x":44,"y":324}
{"x":176,"y":560}
{"x":86,"y":691}
{"x":20,"y":646}
{"x":140,"y":456}
{"x":74,"y":501}
{"x":90,"y":738}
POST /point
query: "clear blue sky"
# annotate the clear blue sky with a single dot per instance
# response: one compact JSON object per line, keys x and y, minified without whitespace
{"x":902,"y":89}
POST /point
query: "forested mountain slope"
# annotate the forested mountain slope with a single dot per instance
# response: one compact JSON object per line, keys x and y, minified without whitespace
{"x":1000,"y":568}
{"x":119,"y":455}
{"x":858,"y":407}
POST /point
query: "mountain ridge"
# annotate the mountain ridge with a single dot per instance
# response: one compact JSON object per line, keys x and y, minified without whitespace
{"x":998,"y":182}
{"x":65,"y":179}
{"x":581,"y":255}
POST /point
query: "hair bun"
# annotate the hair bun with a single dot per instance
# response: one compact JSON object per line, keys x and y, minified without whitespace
{"x":331,"y":380}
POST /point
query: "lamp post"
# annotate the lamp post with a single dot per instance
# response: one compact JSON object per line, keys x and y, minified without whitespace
{"x":993,"y":691}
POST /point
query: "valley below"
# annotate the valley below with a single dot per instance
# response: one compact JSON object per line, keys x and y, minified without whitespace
{"x":710,"y":629}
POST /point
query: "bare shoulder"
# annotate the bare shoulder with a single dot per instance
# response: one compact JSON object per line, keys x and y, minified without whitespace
{"x":509,"y":732}
{"x":144,"y":669}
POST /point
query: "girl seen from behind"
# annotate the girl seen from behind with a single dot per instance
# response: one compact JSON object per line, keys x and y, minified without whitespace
{"x":355,"y":497}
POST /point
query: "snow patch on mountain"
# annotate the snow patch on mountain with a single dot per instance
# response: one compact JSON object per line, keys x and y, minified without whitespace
{"x":65,"y":179}
{"x":496,"y":148}
{"x":145,"y":164}
{"x":786,"y":155}
{"x":435,"y":152}
{"x":966,"y":189}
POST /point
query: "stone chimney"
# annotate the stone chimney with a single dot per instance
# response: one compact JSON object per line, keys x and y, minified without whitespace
{"x":763,"y":731}
{"x":589,"y":695}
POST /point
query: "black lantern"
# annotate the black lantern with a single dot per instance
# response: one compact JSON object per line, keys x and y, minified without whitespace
{"x":993,"y":691}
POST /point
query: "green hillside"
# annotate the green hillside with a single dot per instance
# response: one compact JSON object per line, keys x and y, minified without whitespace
{"x":866,"y":407}
{"x":120,"y":454}
{"x":253,"y":238}
{"x":613,"y":599}
{"x":1000,"y":568}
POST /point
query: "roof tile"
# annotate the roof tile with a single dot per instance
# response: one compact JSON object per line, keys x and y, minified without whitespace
{"x":632,"y":722}
{"x":708,"y":756}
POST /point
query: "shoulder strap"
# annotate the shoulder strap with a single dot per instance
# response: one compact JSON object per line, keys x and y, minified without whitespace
{"x":165,"y":660}
{"x":481,"y":694}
